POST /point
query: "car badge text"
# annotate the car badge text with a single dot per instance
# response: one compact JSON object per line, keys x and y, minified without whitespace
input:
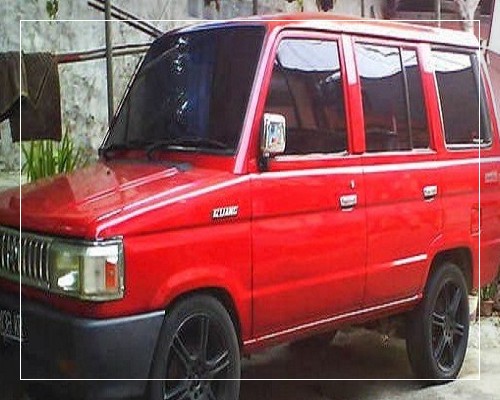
{"x":225,"y":212}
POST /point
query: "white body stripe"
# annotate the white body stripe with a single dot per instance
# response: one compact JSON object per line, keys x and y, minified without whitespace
{"x":359,"y":169}
{"x":409,"y":260}
{"x":331,"y":319}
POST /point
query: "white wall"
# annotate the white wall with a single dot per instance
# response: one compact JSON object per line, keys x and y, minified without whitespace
{"x":494,"y":43}
{"x":83,"y":85}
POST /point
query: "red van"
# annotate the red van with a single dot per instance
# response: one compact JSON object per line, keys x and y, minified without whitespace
{"x":263,"y":181}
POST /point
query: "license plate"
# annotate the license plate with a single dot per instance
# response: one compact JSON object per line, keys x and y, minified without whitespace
{"x":10,"y":326}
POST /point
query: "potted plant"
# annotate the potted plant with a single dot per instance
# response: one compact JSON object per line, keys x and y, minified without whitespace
{"x":496,"y":298}
{"x":488,"y":293}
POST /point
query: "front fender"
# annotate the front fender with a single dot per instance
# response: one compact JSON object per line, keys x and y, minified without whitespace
{"x":207,"y":278}
{"x":166,"y":265}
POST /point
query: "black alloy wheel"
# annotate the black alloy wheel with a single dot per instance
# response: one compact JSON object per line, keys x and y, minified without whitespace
{"x":438,"y":328}
{"x":197,"y":357}
{"x":448,"y":326}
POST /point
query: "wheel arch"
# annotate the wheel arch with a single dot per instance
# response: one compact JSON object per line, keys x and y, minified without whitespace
{"x":222,"y":295}
{"x":461,"y":257}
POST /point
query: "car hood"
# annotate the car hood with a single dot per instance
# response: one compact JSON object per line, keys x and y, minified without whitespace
{"x":115,"y":198}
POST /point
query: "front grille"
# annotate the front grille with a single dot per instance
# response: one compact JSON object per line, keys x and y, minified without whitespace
{"x":25,"y":257}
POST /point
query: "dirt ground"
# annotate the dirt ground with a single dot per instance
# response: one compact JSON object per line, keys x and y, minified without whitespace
{"x":361,"y":354}
{"x":355,"y":354}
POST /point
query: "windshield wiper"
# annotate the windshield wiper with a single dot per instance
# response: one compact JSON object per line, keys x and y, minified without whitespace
{"x":188,"y":142}
{"x":130,"y":145}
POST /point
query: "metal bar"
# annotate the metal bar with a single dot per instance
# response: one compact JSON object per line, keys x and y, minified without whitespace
{"x":10,"y":247}
{"x":3,"y":252}
{"x":121,"y":50}
{"x":6,"y":254}
{"x":17,"y":244}
{"x":29,"y":247}
{"x":40,"y":260}
{"x":255,"y":7}
{"x":133,"y":23}
{"x":34,"y":251}
{"x":437,"y":10}
{"x":128,"y":19}
{"x":129,"y":15}
{"x":46,"y":277}
{"x":24,"y":258}
{"x":109,"y":59}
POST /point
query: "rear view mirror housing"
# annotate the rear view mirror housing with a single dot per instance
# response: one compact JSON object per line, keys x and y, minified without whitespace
{"x":273,"y":139}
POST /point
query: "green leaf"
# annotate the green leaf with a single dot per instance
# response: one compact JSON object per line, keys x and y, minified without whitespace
{"x":52,"y":7}
{"x":47,"y":158}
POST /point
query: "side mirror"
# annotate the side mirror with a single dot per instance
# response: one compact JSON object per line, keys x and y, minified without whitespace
{"x":273,"y":139}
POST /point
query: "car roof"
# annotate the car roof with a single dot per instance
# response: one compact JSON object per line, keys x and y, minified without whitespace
{"x":387,"y":29}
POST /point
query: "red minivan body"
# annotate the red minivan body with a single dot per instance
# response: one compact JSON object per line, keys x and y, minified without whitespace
{"x":373,"y":207}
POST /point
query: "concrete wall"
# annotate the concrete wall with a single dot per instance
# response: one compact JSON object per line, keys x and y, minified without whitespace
{"x":494,"y":67}
{"x":83,"y":85}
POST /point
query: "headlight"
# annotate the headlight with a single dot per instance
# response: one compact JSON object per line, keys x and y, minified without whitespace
{"x":90,"y":272}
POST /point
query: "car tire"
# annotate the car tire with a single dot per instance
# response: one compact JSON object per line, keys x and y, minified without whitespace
{"x":197,"y":347}
{"x":438,"y":329}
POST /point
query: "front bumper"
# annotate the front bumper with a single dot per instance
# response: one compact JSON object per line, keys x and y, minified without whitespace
{"x":62,"y":346}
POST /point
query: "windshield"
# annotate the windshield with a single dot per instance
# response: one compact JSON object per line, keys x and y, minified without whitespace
{"x":191,"y":92}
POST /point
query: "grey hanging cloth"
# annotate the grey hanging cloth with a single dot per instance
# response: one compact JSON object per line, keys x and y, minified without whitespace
{"x":37,"y":82}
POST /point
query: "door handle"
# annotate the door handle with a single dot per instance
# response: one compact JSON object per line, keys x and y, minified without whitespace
{"x":348,"y":201}
{"x":430,"y":192}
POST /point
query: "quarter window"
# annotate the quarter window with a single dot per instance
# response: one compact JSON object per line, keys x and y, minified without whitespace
{"x":457,"y":76}
{"x":393,"y":103}
{"x":306,"y":88}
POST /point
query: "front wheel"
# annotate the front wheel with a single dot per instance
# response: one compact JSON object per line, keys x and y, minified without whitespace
{"x":197,"y":356}
{"x":438,"y":329}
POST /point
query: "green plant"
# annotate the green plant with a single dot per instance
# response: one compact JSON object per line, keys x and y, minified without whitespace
{"x":52,"y":7}
{"x":46,"y":158}
{"x":488,"y":292}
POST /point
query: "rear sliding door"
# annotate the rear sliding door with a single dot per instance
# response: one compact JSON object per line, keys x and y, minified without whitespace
{"x":471,"y":194}
{"x":403,"y":207}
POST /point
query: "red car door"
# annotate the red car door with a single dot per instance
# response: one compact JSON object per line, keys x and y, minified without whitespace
{"x":308,"y":233}
{"x":403,"y":206}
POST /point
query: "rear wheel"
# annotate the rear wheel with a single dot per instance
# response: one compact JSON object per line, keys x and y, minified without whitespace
{"x":197,"y":348}
{"x":438,"y":329}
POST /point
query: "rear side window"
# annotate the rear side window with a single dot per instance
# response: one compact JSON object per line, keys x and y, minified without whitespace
{"x":306,"y":88}
{"x":393,"y":103}
{"x":458,"y":80}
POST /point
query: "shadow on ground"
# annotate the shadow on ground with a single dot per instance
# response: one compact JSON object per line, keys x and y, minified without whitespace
{"x":353,"y":355}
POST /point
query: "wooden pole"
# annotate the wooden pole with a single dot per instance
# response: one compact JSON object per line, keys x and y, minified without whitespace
{"x":109,"y":59}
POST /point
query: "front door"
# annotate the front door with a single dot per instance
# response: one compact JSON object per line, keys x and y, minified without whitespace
{"x":309,"y":234}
